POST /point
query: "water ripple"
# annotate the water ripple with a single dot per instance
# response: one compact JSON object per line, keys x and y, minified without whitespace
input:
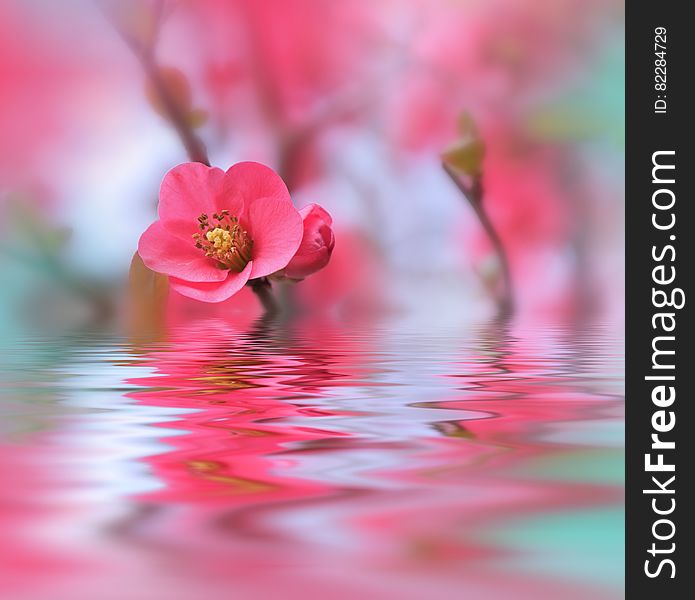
{"x":290,"y":461}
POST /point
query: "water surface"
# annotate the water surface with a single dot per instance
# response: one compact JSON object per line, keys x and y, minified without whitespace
{"x":310,"y":460}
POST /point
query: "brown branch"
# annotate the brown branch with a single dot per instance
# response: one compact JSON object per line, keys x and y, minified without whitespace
{"x":146,"y":56}
{"x":192,"y":143}
{"x":262,"y":288}
{"x":474,"y":195}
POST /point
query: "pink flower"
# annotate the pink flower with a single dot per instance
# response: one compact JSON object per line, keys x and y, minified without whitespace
{"x":317,"y":243}
{"x":216,"y":229}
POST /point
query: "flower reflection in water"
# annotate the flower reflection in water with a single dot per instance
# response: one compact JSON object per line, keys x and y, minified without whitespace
{"x":305,"y":459}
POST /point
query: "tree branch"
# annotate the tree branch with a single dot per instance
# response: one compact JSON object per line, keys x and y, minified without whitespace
{"x":262,"y":288}
{"x":146,"y":56}
{"x":474,"y":195}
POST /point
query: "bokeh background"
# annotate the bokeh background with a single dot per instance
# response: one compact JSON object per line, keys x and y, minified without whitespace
{"x":353,"y":103}
{"x":401,"y":430}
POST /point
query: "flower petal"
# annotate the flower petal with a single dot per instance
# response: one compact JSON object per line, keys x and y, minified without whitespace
{"x":213,"y":291}
{"x":276,"y":229}
{"x":251,"y":181}
{"x":316,"y":211}
{"x":269,"y":215}
{"x":165,"y":253}
{"x":190,"y":189}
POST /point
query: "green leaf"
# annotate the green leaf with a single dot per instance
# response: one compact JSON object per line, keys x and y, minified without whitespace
{"x":197,"y":117}
{"x":466,"y":157}
{"x":466,"y":125}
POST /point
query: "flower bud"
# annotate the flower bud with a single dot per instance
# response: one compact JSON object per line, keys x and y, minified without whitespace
{"x":317,"y":243}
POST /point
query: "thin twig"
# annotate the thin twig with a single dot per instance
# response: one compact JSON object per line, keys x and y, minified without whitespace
{"x":474,"y":195}
{"x":261,"y":287}
{"x":146,"y":56}
{"x":192,"y":143}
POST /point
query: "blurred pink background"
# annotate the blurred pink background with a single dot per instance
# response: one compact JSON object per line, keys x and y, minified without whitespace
{"x":353,"y":103}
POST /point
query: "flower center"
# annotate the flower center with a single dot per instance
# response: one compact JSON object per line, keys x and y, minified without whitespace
{"x":224,"y":241}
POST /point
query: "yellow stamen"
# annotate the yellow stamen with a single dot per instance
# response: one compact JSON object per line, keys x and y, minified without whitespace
{"x":225,"y":241}
{"x":221,"y":239}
